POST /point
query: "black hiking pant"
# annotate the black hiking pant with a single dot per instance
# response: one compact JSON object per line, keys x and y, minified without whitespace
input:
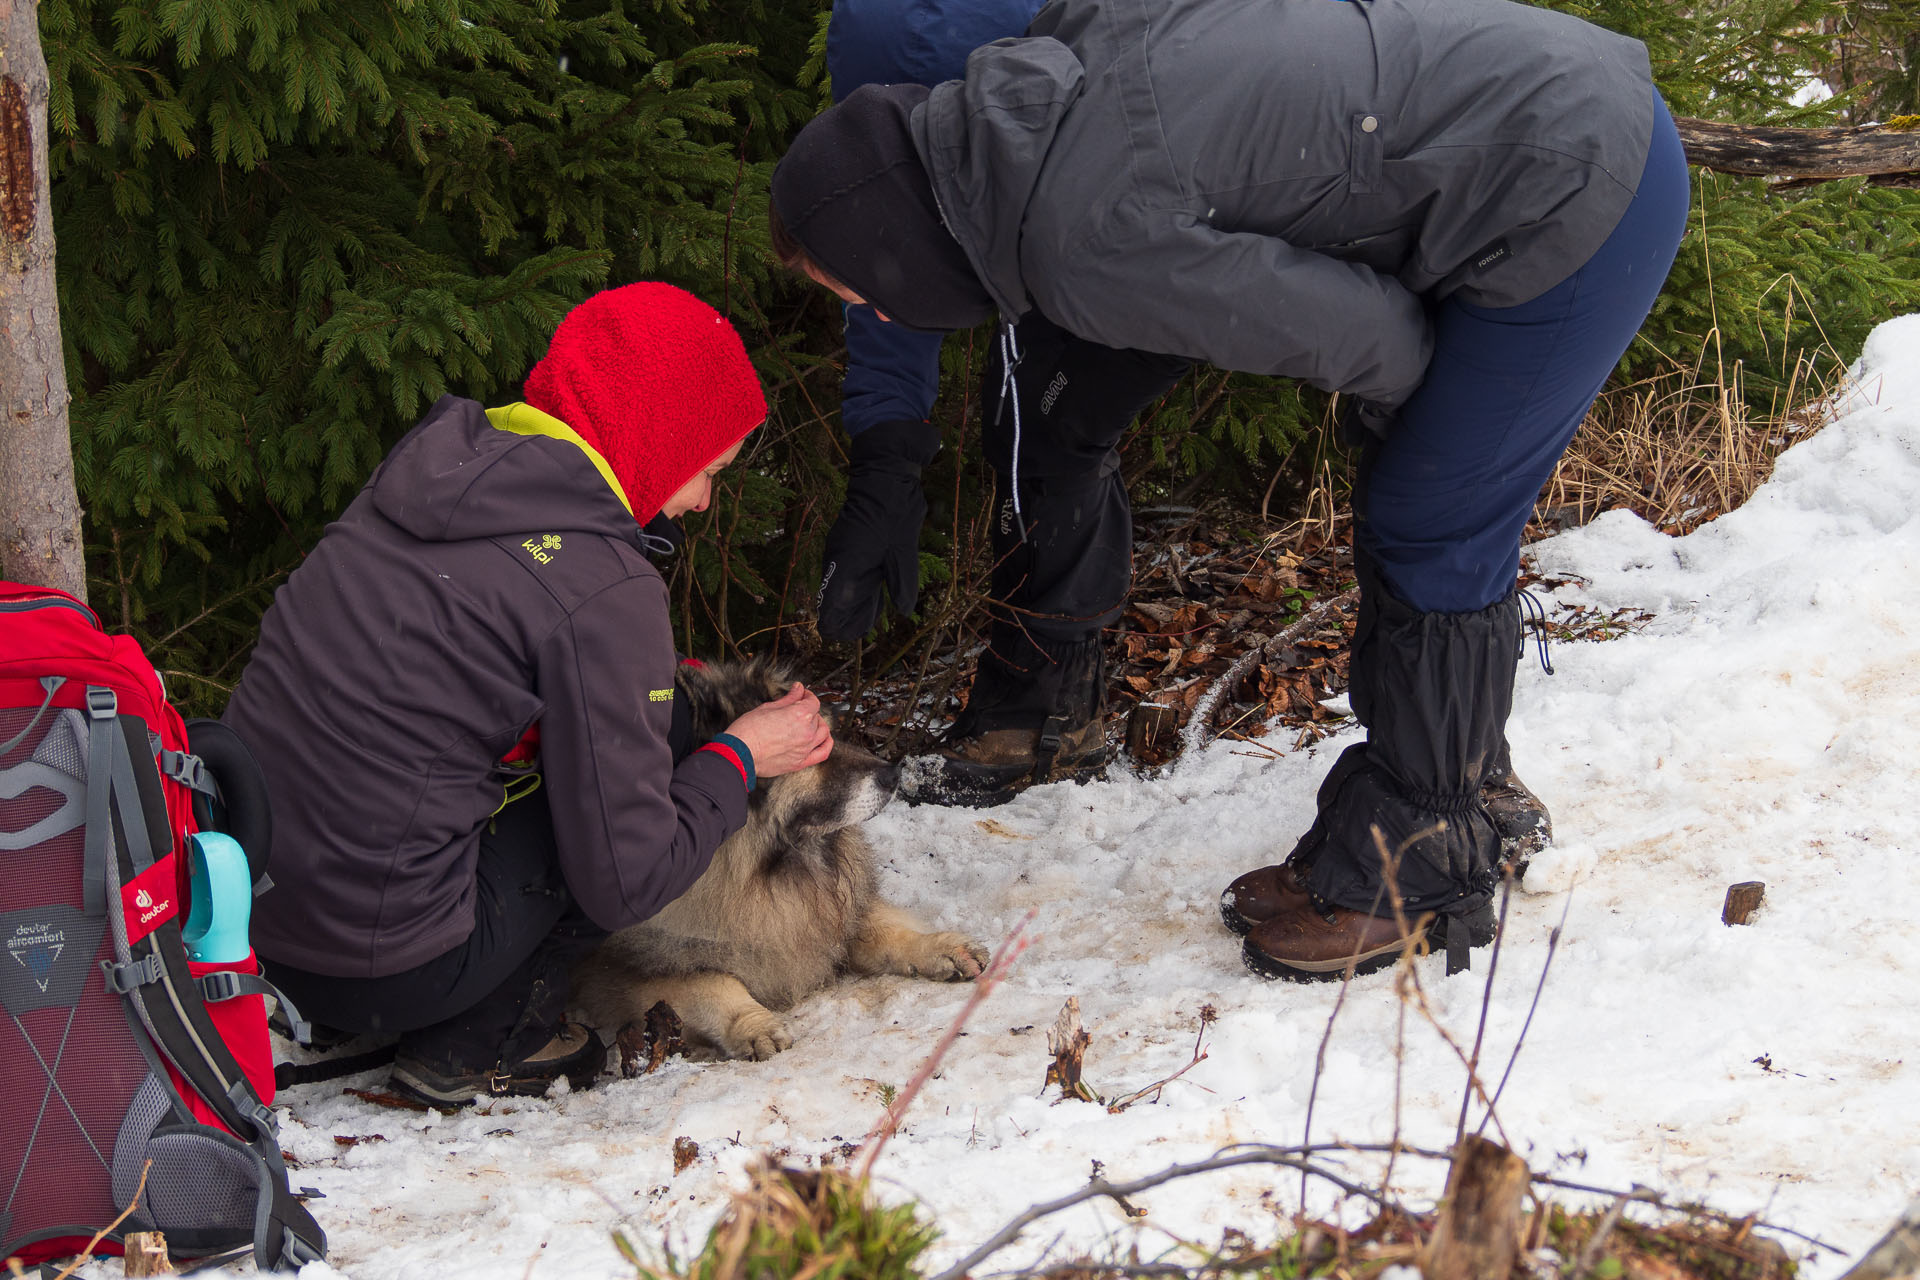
{"x":498,"y":995}
{"x":502,"y":992}
{"x":1063,"y":551}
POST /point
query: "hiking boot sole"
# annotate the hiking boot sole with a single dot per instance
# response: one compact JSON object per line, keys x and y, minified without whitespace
{"x":1236,"y":923}
{"x":423,"y":1085}
{"x":1479,"y":927}
{"x":1266,"y":966}
{"x":933,"y":780}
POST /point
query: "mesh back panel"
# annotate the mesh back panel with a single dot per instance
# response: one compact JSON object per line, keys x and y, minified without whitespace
{"x":202,"y":1182}
{"x":148,"y":1109}
{"x":69,"y":1068}
{"x":62,"y":748}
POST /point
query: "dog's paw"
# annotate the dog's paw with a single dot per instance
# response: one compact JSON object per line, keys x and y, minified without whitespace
{"x":757,"y":1034}
{"x":949,"y":957}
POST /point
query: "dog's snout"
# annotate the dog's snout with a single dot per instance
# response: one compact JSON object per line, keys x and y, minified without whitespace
{"x":888,"y":779}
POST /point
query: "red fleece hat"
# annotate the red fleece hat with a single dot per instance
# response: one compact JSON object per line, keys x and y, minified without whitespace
{"x":653,"y":378}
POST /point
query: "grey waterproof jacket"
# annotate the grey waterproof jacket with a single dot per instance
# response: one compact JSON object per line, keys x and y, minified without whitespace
{"x":1284,"y":186}
{"x":486,"y":578}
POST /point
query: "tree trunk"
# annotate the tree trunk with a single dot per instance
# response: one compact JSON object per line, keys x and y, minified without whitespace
{"x":1888,"y":155}
{"x":40,"y":539}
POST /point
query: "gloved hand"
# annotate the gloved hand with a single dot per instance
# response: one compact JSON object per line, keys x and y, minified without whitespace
{"x":877,"y":536}
{"x":1356,"y":421}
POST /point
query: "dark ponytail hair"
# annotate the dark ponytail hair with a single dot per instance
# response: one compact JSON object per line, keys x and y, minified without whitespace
{"x":792,"y":254}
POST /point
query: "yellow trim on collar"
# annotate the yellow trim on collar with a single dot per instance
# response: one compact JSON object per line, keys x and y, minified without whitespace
{"x":523,"y":419}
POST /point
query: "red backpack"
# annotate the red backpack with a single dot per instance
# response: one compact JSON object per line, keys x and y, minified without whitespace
{"x":120,"y":1058}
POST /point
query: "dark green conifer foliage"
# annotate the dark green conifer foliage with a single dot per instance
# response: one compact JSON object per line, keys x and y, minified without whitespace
{"x":288,"y":227}
{"x":1775,"y":282}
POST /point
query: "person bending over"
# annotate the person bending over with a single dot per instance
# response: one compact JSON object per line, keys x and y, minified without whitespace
{"x":1455,"y":214}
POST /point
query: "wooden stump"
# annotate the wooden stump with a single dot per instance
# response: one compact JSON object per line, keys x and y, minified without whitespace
{"x":1897,"y":1254}
{"x":1478,"y":1232}
{"x":1743,"y":900}
{"x":1149,"y":726}
{"x":146,"y":1254}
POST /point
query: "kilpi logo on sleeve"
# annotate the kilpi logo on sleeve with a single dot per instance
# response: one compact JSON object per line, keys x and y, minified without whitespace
{"x":543,"y":547}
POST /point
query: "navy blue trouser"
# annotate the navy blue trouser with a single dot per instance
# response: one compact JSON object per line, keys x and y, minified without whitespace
{"x":893,"y":373}
{"x":1443,"y":500}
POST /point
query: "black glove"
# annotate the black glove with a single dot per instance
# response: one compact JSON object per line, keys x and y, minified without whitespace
{"x":1357,"y":421}
{"x":878,"y":533}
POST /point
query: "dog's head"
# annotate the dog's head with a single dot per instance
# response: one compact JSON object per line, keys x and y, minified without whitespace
{"x":848,"y":787}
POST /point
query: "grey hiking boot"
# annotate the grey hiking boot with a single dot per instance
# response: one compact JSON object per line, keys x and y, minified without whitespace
{"x":1020,"y":727}
{"x":574,"y":1051}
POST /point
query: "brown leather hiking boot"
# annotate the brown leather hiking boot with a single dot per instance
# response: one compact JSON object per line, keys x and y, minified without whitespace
{"x":1260,"y":895}
{"x":991,"y":768}
{"x":1299,"y":943}
{"x":1523,"y":822}
{"x":1043,"y":722}
{"x":1518,"y":815}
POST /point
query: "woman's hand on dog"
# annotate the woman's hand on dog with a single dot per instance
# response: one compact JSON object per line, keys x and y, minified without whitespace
{"x":785,"y":735}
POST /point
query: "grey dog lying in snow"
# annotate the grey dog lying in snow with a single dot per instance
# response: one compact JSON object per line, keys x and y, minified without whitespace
{"x":789,"y":901}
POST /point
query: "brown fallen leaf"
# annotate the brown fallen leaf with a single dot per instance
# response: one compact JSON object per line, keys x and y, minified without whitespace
{"x":644,"y":1045}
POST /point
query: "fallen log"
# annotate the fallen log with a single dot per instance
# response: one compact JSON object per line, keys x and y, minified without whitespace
{"x":1885,"y":154}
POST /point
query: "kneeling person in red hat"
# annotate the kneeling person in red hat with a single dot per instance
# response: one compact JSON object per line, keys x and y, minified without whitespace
{"x":486,"y":590}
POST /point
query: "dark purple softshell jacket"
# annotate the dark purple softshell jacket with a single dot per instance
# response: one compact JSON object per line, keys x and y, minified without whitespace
{"x":481,"y":581}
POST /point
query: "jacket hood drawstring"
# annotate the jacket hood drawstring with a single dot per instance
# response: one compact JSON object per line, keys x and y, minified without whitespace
{"x":1010,"y":391}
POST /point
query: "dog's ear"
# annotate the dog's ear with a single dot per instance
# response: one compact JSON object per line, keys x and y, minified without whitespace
{"x":707,"y":709}
{"x":772,"y":679}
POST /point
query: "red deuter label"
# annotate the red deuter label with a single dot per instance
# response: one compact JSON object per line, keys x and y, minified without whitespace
{"x":150,"y":900}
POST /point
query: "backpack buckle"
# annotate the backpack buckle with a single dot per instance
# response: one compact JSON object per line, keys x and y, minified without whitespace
{"x":122,"y":978}
{"x":221,"y":984}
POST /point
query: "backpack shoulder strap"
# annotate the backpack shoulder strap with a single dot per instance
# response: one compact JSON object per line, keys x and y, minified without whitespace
{"x":153,"y":976}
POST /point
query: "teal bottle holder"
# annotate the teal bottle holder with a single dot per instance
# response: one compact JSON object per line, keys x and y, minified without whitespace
{"x":222,"y":899}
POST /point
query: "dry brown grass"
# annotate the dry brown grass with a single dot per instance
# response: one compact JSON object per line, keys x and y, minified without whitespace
{"x":1679,"y":448}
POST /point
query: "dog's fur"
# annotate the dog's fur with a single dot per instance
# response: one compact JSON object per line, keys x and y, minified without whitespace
{"x":789,"y":901}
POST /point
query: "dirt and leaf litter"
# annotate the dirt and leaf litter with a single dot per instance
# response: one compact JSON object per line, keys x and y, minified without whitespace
{"x":1227,"y":633}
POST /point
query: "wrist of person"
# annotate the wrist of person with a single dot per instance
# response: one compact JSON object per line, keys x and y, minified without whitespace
{"x":906,"y":443}
{"x":736,"y":751}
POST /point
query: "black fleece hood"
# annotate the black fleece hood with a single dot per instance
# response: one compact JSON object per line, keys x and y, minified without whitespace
{"x":853,"y":192}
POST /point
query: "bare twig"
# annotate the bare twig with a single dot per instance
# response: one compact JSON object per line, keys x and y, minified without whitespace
{"x":1100,"y":1188}
{"x":1641,"y":1195}
{"x":997,"y":968}
{"x":1486,"y":1003}
{"x":1553,"y":945}
{"x":86,"y":1255}
{"x":1319,"y":1067}
{"x":1399,"y":1074}
{"x":1199,"y":1056}
{"x":1194,"y":736}
{"x":1590,"y":1252}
